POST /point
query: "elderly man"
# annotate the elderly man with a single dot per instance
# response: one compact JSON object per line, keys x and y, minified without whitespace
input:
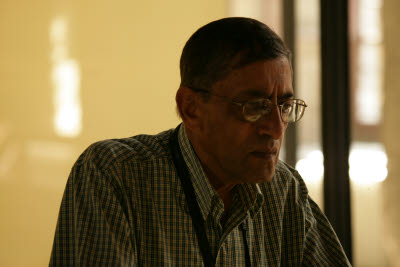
{"x":212,"y":191}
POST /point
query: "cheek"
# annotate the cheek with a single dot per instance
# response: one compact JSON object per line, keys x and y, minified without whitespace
{"x":228,"y":139}
{"x":241,"y":138}
{"x":227,"y":132}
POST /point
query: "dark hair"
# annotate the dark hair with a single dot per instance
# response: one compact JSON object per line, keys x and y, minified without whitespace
{"x":221,"y":46}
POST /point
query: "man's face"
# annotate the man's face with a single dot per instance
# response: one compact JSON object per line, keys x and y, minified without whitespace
{"x":234,"y":149}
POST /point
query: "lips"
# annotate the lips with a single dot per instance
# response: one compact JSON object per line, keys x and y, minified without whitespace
{"x":265,"y":154}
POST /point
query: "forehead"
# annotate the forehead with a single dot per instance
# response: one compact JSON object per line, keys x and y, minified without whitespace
{"x":263,"y":79}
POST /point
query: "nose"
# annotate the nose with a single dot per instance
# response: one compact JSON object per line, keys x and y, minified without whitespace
{"x":272,"y":124}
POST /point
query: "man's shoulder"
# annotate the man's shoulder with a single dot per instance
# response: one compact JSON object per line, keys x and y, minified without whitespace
{"x":143,"y":147}
{"x":285,"y":170}
{"x":284,"y":173}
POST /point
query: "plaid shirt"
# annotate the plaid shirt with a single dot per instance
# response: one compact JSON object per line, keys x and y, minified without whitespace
{"x":124,"y":206}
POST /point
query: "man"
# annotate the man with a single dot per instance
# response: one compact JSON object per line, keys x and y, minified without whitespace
{"x":212,"y":191}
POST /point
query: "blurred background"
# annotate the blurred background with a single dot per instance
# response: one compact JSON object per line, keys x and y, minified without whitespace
{"x":75,"y":72}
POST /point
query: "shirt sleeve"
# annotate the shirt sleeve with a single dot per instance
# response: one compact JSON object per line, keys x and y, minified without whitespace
{"x":322,"y":247}
{"x":92,"y":227}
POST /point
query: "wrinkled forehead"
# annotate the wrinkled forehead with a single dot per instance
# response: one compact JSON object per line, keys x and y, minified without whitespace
{"x":261,"y":78}
{"x":275,"y":69}
{"x":241,"y":61}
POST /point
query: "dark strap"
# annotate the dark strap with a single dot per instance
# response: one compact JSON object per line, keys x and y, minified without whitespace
{"x":243,"y":227}
{"x":194,"y":209}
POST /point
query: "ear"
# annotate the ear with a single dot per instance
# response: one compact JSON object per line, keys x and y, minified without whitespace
{"x":189,"y":107}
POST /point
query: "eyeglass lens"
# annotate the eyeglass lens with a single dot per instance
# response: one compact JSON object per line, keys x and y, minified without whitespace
{"x":291,"y":110}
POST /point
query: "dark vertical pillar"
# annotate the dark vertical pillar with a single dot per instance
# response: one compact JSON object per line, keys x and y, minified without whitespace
{"x":289,"y":38}
{"x":336,"y":117}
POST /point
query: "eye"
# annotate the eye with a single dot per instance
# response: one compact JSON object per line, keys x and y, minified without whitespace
{"x":258,"y":106}
{"x":287,"y":106}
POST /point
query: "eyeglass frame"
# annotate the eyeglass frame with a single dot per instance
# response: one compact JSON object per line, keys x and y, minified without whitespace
{"x":242,"y":104}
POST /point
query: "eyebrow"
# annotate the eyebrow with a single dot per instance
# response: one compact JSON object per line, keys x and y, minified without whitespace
{"x":287,"y":95}
{"x":257,"y":93}
{"x":252,"y":93}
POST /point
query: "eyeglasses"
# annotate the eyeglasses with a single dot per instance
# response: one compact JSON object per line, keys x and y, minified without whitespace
{"x":291,"y":110}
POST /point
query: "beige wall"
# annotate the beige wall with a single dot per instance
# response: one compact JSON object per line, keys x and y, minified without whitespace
{"x":127,"y":57}
{"x":391,"y":130}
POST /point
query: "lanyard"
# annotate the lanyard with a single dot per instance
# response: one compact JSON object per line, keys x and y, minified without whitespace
{"x":194,"y":208}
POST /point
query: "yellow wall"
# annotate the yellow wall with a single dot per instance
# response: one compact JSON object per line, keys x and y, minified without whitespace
{"x":126,"y":55}
{"x":391,"y":130}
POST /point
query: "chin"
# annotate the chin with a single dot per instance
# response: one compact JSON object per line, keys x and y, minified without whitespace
{"x":269,"y":174}
{"x":262,"y":178}
{"x":267,"y":179}
{"x":262,"y":175}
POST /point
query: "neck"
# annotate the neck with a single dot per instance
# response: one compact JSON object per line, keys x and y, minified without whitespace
{"x":225,"y":193}
{"x":223,"y":185}
{"x":223,"y":189}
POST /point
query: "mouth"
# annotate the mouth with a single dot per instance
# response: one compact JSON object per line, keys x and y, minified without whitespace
{"x":265,"y":154}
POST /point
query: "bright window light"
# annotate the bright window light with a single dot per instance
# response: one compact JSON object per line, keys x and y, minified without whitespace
{"x":311,"y":167}
{"x":368,"y":165}
{"x":370,"y":63}
{"x":66,"y":82}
